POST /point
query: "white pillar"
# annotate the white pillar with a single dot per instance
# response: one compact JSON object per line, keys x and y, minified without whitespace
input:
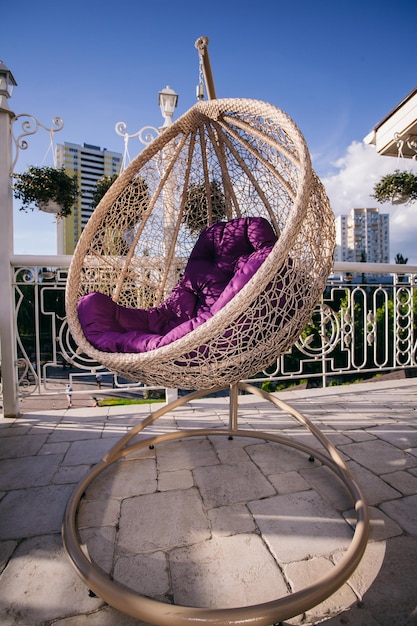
{"x":7,"y":306}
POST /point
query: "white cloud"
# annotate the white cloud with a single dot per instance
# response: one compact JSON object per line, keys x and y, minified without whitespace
{"x":351,"y":186}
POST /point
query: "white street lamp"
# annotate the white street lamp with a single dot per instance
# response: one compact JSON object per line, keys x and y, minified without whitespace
{"x":7,"y":81}
{"x":167,"y":100}
{"x":8,"y":329}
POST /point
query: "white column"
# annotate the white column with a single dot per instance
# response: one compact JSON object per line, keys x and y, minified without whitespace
{"x":7,"y":306}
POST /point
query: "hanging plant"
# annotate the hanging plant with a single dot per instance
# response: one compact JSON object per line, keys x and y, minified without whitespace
{"x":132,"y":202}
{"x":196,"y":211}
{"x":101,"y":188}
{"x":397,"y":188}
{"x":47,"y":189}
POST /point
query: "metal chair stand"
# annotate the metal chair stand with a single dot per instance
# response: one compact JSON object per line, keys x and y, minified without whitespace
{"x":265,"y":614}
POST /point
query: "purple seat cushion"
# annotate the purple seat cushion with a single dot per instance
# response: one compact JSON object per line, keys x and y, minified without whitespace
{"x":224,"y":259}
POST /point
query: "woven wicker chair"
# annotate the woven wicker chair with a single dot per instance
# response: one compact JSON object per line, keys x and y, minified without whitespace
{"x":223,"y":160}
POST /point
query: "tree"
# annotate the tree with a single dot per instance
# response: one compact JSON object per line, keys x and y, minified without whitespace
{"x":398,"y":188}
{"x":196,"y":210}
{"x":101,"y":187}
{"x":400,"y":260}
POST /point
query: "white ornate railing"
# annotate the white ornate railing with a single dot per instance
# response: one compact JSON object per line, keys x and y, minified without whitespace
{"x":366,"y":324}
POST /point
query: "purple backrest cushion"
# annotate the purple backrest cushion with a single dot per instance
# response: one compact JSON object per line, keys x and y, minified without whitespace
{"x":225,"y":257}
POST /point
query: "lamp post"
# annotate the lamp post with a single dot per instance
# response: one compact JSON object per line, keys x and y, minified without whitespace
{"x":167,"y":100}
{"x":7,"y":325}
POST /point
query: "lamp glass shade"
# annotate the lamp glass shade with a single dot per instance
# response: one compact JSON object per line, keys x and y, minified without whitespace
{"x":7,"y":81}
{"x":167,"y":100}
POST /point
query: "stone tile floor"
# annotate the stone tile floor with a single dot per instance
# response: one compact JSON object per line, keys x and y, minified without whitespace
{"x":211,"y":522}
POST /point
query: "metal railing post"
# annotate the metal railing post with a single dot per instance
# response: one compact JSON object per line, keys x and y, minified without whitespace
{"x":7,"y":325}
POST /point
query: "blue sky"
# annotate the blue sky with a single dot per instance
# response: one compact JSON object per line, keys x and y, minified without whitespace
{"x":337,"y":68}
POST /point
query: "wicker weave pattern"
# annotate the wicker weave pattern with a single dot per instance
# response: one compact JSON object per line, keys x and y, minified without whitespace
{"x":222,"y":159}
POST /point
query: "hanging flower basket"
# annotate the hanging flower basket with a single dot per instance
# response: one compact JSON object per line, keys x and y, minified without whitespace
{"x":397,"y":188}
{"x":197,"y":212}
{"x":50,"y":207}
{"x":47,"y":189}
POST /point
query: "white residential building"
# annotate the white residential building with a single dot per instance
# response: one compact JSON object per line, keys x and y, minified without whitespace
{"x":363,"y":236}
{"x":89,"y":163}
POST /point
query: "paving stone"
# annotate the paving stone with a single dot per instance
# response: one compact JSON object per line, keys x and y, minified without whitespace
{"x":161,"y":521}
{"x":360,"y":435}
{"x":75,"y":432}
{"x":146,"y":574}
{"x":272,"y":458}
{"x":380,"y":525}
{"x":28,"y":471}
{"x":327,"y":483}
{"x":403,"y":512}
{"x":398,"y":435}
{"x":354,"y":616}
{"x":231,"y":453}
{"x":92,"y":451}
{"x":375,"y":490}
{"x":288,"y":482}
{"x":368,"y":569}
{"x":180,"y":479}
{"x":307,"y":572}
{"x":54,"y":448}
{"x":404,"y":482}
{"x":392,"y":596}
{"x":384,"y":580}
{"x":40,"y":585}
{"x":297,"y":526}
{"x":231,"y":520}
{"x":412,"y":451}
{"x":220,"y":485}
{"x":30,"y":512}
{"x":378,"y":456}
{"x":225,"y":572}
{"x":124,"y":479}
{"x":98,"y":513}
{"x":70,"y":474}
{"x":106,"y":616}
{"x":185,"y":454}
{"x":21,"y":445}
{"x":99,"y":544}
{"x":6,"y":550}
{"x":13,"y":428}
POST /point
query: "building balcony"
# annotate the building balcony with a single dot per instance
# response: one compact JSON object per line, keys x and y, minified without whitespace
{"x":397,"y":130}
{"x":364,"y":327}
{"x":170,"y":521}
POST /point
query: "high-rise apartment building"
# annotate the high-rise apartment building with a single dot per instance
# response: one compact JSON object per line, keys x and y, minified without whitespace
{"x":362,"y":236}
{"x":89,"y":163}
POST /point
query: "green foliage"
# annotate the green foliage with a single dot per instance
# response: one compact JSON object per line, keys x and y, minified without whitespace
{"x":268,"y":386}
{"x":40,"y":185}
{"x":400,"y":260}
{"x":397,"y":187}
{"x":101,"y":187}
{"x":196,"y":210}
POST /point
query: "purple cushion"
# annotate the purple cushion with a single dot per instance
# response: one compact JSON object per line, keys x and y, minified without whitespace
{"x":224,"y":259}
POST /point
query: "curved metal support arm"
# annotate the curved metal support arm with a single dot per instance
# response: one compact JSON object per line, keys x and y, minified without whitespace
{"x":30,"y":126}
{"x":145,"y":135}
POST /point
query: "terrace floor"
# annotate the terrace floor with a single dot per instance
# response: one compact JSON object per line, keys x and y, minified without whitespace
{"x":211,"y":522}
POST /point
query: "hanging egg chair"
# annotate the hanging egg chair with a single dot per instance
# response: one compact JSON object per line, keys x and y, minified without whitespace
{"x":199,"y":267}
{"x":233,"y":162}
